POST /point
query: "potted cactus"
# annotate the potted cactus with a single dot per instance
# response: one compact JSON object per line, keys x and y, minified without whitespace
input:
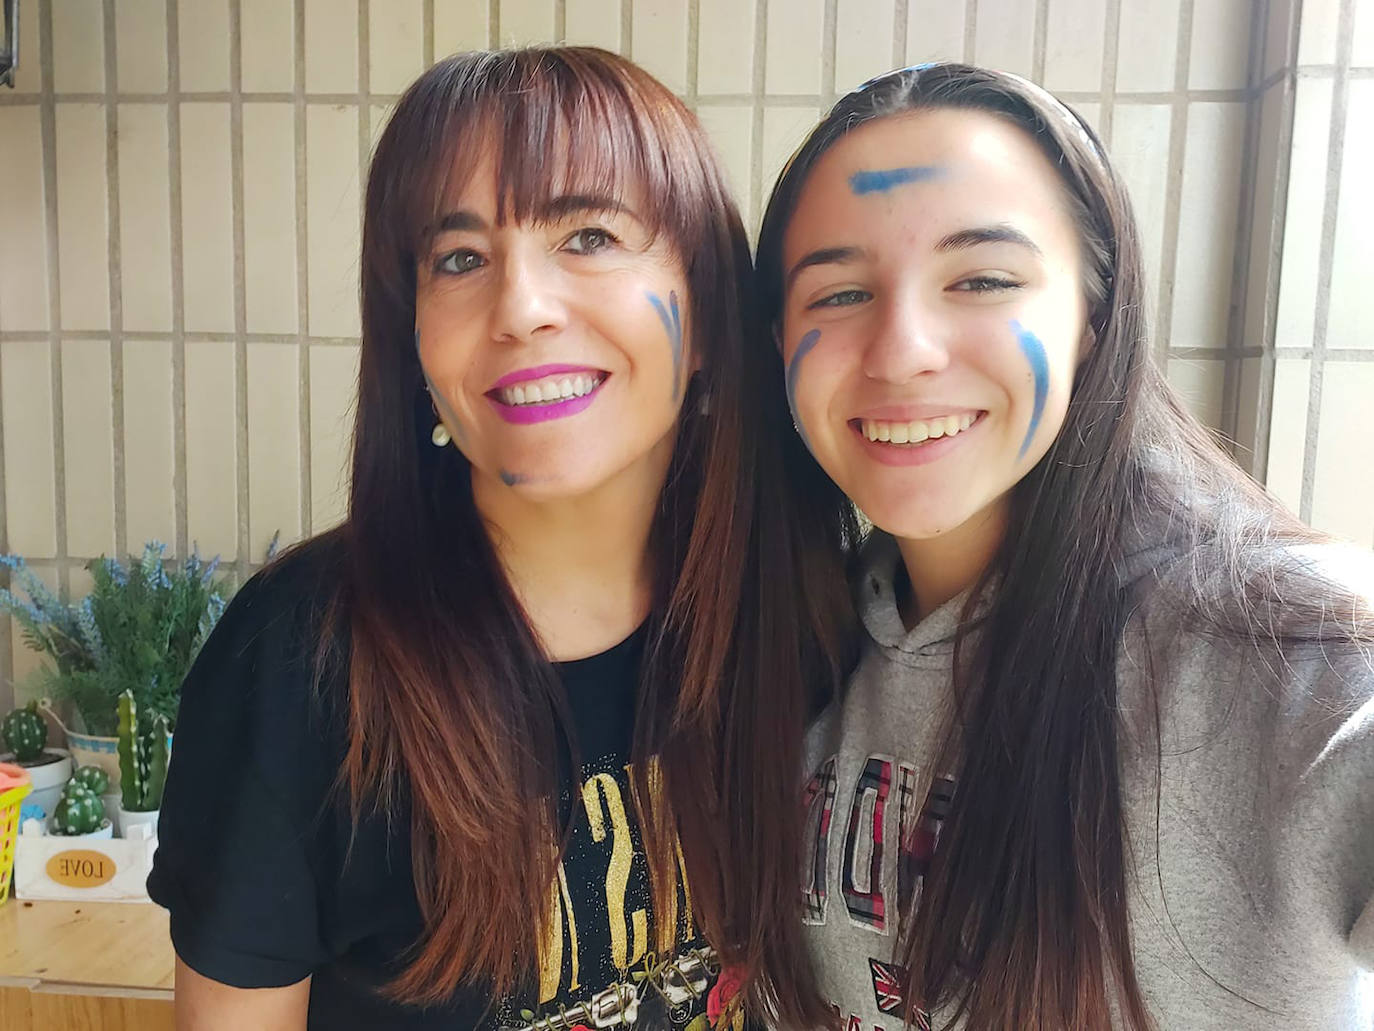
{"x":25,"y":734}
{"x":80,"y":813}
{"x":143,"y":756}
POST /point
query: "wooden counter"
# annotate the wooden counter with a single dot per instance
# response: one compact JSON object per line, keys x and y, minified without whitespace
{"x":85,"y":966}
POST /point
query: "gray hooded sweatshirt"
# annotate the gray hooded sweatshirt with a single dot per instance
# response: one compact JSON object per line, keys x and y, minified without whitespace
{"x":1250,"y":885}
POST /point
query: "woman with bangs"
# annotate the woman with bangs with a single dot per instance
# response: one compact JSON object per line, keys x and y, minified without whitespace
{"x":503,"y":750}
{"x":1108,"y":756}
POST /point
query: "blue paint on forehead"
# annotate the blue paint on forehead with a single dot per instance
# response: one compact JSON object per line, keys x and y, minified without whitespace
{"x":882,"y":180}
{"x":1034,"y":351}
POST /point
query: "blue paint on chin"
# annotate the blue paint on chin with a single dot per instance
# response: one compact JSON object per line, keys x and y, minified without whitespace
{"x":794,"y":374}
{"x":880,"y":181}
{"x":1034,"y":351}
{"x":671,"y":317}
{"x":511,"y":479}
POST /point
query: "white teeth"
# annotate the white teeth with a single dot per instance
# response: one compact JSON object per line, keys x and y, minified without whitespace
{"x":551,"y":389}
{"x":916,"y":431}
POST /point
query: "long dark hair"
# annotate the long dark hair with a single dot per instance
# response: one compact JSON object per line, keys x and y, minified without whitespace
{"x":453,"y":707}
{"x":1022,"y":920}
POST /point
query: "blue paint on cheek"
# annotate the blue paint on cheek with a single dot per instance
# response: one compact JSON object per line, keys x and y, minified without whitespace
{"x":882,"y":180}
{"x":1034,"y":351}
{"x":671,"y":317}
{"x":794,"y":374}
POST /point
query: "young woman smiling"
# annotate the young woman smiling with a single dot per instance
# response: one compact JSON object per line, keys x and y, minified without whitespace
{"x":1134,"y":694}
{"x":504,"y":749}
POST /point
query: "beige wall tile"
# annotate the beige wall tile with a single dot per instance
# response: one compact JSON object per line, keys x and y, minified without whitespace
{"x":1351,"y":315}
{"x":1221,"y":44}
{"x":333,"y":222}
{"x":1147,"y":46}
{"x":731,"y":132}
{"x":725,"y":55}
{"x":380,"y":115}
{"x":598,"y":22}
{"x":274,"y":445}
{"x":141,"y":45}
{"x":78,"y":45}
{"x":23,"y":268}
{"x":1362,"y":46}
{"x":1091,"y":114}
{"x":1005,"y":35}
{"x":1074,"y":33}
{"x":1342,"y":489}
{"x":1200,"y":384}
{"x":1288,"y":430}
{"x":934,"y":31}
{"x":460,"y":25}
{"x":526,"y":21}
{"x":1207,"y":225}
{"x":28,"y":74}
{"x":863,"y":41}
{"x":784,"y":129}
{"x":1140,"y":151}
{"x":267,"y":59}
{"x":395,"y":36}
{"x":207,"y":219}
{"x":27,"y":416}
{"x":203,"y":43}
{"x":794,"y":40}
{"x":212,"y":496}
{"x":331,"y":46}
{"x":145,"y":224}
{"x":82,"y":229}
{"x":1303,"y":217}
{"x":659,"y":41}
{"x":149,"y":459}
{"x":1317,"y":32}
{"x":269,"y":218}
{"x":88,"y":447}
{"x":333,"y":396}
{"x":1249,"y":406}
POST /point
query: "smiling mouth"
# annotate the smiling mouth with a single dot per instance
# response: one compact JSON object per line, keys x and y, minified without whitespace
{"x":917,"y":431}
{"x":548,"y":389}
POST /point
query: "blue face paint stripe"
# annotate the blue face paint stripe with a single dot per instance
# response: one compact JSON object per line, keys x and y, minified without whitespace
{"x":511,"y":479}
{"x":793,"y":374}
{"x":886,"y":179}
{"x":1034,"y":351}
{"x":672,"y":325}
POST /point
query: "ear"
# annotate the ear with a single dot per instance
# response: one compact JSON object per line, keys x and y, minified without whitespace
{"x":1086,"y":343}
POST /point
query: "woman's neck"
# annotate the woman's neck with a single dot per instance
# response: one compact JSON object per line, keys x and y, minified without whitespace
{"x":943,"y":567}
{"x":580,"y":566}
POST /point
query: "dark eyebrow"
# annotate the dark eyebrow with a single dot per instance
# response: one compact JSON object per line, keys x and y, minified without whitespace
{"x":824,"y":256}
{"x":1001,"y":233}
{"x":574,"y":203}
{"x":459,"y":221}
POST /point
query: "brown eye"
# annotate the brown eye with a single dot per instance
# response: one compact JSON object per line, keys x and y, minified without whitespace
{"x":589,"y":241}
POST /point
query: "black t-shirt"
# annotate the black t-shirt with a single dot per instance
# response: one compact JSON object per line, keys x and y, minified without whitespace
{"x":252,"y":843}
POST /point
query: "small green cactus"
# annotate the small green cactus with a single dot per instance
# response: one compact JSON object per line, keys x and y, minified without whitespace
{"x":93,"y":778}
{"x":142,"y":758}
{"x":79,"y":810}
{"x":25,"y":733}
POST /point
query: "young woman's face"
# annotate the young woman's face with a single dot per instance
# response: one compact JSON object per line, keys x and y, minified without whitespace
{"x":556,"y":351}
{"x":932,"y":317}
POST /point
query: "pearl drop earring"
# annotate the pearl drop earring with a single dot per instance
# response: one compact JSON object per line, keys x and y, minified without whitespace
{"x":440,"y":437}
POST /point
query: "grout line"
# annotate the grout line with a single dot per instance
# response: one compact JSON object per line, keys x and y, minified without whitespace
{"x":301,"y":133}
{"x":1040,"y":41}
{"x":427,"y":32}
{"x":55,"y":294}
{"x":627,"y":28}
{"x":116,"y":279}
{"x":178,"y":334}
{"x":1173,"y":202}
{"x":829,"y":32}
{"x":1335,"y":152}
{"x":240,"y":283}
{"x":970,"y":30}
{"x":560,"y":20}
{"x":760,"y":78}
{"x":1111,"y":44}
{"x":693,"y":52}
{"x":900,"y":15}
{"x":493,"y":24}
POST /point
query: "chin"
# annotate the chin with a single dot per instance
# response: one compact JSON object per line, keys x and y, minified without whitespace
{"x":913,"y":519}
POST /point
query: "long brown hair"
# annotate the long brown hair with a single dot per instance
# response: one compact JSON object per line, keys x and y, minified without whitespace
{"x":1022,"y":919}
{"x":453,"y":707}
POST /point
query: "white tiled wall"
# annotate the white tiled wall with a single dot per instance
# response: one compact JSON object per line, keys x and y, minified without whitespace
{"x":178,"y":316}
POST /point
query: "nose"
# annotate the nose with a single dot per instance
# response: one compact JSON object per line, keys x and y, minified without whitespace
{"x":528,"y":301}
{"x":908,"y":343}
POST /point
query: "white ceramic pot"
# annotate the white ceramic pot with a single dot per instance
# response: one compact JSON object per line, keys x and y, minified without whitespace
{"x":129,"y":819}
{"x":48,"y":779}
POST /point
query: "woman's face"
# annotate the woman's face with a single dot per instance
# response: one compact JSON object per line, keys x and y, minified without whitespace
{"x":556,"y":351}
{"x":932,"y":316}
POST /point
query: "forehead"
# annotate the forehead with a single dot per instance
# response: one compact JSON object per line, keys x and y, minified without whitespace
{"x":921,"y":174}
